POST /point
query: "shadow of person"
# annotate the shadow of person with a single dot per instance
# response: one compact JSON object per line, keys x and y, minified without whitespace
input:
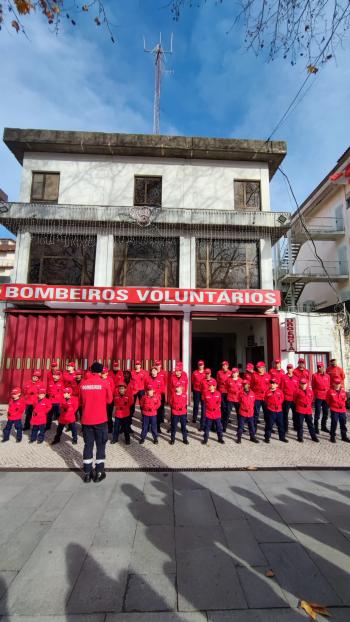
{"x":4,"y":587}
{"x":71,"y":456}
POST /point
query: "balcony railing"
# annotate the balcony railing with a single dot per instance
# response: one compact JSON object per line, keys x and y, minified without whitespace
{"x":312,"y":267}
{"x":320,"y":224}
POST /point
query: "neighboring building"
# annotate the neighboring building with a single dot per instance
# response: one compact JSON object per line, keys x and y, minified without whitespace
{"x":129,"y":246}
{"x":3,"y":196}
{"x":299,"y":273}
{"x":7,"y":259}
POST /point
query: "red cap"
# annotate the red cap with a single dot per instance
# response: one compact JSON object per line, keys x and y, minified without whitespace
{"x":225,"y":363}
{"x":121,"y":384}
{"x":273,"y":379}
{"x":320,"y":364}
{"x":37,"y":373}
{"x":104,"y":370}
{"x":246,"y":380}
{"x":41,"y":388}
{"x":157,"y":362}
{"x":71,"y":364}
{"x":290,"y":366}
{"x":16,"y":391}
{"x":115,"y":363}
{"x":178,"y":368}
{"x":154,"y":367}
{"x":212,"y":382}
{"x":301,"y":360}
{"x":277,"y":360}
{"x":56,"y":372}
{"x":149,"y":386}
{"x":235,"y":370}
{"x":78,"y":372}
{"x":260,"y":364}
{"x":249,"y":367}
{"x":179,"y":364}
{"x":200,"y":363}
{"x":53,"y":363}
{"x":207,"y":370}
{"x":68,"y":390}
{"x":336,"y":379}
{"x":137,"y":362}
{"x":303,"y":380}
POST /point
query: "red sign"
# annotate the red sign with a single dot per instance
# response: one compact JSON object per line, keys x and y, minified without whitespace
{"x":140,"y":295}
{"x":291,"y":338}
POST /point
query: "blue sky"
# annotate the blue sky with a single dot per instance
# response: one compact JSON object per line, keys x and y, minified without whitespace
{"x":79,"y":80}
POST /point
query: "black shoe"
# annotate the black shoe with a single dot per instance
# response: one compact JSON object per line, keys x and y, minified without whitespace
{"x":325,"y":429}
{"x":221,"y":441}
{"x":87,"y":477}
{"x":284,"y":440}
{"x":55,"y":441}
{"x":39,"y":442}
{"x":238,"y":441}
{"x":315,"y":440}
{"x":30,"y":441}
{"x":155,"y":441}
{"x":113,"y":441}
{"x":4,"y":440}
{"x":185,"y":441}
{"x":172,"y":441}
{"x":254,"y":439}
{"x":204,"y":442}
{"x":333,"y":440}
{"x":18,"y":440}
{"x":301,"y":440}
{"x":346,"y":439}
{"x":317,"y":429}
{"x":99,"y":476}
{"x":194,"y":420}
{"x":75,"y":441}
{"x":266,"y":440}
{"x":141,"y":441}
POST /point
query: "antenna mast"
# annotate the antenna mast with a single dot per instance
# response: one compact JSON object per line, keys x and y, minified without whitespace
{"x":160,"y":58}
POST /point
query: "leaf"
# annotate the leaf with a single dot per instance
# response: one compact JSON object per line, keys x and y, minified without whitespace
{"x":303,"y":604}
{"x":15,"y":25}
{"x":85,"y":7}
{"x":269,"y":573}
{"x":23,"y":7}
{"x":312,"y":69}
{"x":97,"y":21}
{"x":251,"y":468}
{"x":321,"y":609}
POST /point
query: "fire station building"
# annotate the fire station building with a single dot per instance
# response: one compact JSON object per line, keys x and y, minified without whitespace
{"x":140,"y":247}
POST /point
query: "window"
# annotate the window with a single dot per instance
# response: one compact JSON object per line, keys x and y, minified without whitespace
{"x":61,"y":263}
{"x":247,"y":196}
{"x":45,"y":187}
{"x":230,"y":264}
{"x":153,"y":262}
{"x":148,"y":191}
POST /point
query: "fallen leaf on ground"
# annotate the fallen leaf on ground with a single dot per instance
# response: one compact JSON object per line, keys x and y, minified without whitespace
{"x":251,"y":468}
{"x":312,"y":609}
{"x":269,"y":573}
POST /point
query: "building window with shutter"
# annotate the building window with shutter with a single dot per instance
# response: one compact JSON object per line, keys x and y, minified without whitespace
{"x":45,"y":187}
{"x":247,"y":196}
{"x":148,"y":191}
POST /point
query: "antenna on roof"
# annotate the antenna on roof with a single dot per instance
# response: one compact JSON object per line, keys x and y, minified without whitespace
{"x":160,"y":58}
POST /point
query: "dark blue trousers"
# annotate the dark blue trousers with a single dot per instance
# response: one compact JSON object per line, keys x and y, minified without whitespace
{"x":175,"y":419}
{"x":160,"y":411}
{"x":341,"y":417}
{"x":257,"y":407}
{"x":223,"y":407}
{"x":308,"y":419}
{"x":52,"y":415}
{"x":38,"y":432}
{"x":94,"y":435}
{"x":250,"y":423}
{"x":28,"y":415}
{"x":321,"y":406}
{"x":207,"y":427}
{"x":72,"y":427}
{"x":287,"y":406}
{"x":110,"y":408}
{"x":139,"y":394}
{"x":197,"y":399}
{"x":229,"y":408}
{"x":272,"y":418}
{"x":8,"y":427}
{"x":147,"y":423}
{"x":121,"y":425}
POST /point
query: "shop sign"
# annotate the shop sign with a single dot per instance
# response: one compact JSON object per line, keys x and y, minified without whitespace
{"x":15,"y":292}
{"x":291,"y":337}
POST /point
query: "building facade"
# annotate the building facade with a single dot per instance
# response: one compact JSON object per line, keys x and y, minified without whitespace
{"x":7,"y":259}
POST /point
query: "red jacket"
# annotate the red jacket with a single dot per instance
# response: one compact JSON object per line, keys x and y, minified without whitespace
{"x":178,"y":404}
{"x":70,"y":381}
{"x":149,"y":405}
{"x":16,"y":409}
{"x":55,"y":391}
{"x":274,"y":400}
{"x":68,"y":410}
{"x":212,"y":404}
{"x":116,"y":376}
{"x":111,"y":384}
{"x":289,"y":384}
{"x":336,"y":371}
{"x":233,"y":389}
{"x":197,"y":378}
{"x":221,"y":378}
{"x":278,"y":373}
{"x":246,"y":403}
{"x":303,"y":401}
{"x":139,"y":379}
{"x":174,"y":380}
{"x":40,"y":411}
{"x":260,"y":384}
{"x":320,"y":384}
{"x":95,"y":394}
{"x":336,"y":400}
{"x":301,"y":373}
{"x":204,"y":387}
{"x":122,"y":405}
{"x":31,"y":392}
{"x":163,"y":374}
{"x":157,"y":384}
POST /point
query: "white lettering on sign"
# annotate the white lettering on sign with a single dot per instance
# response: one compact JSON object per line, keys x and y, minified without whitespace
{"x":291,"y":334}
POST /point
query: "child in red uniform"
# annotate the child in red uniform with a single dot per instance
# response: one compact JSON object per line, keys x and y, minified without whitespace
{"x":139,"y":378}
{"x":122,"y":403}
{"x":69,"y":407}
{"x":178,"y":405}
{"x":116,"y":374}
{"x":149,"y":406}
{"x":197,"y":377}
{"x":204,"y":386}
{"x":31,"y":397}
{"x":320,"y":384}
{"x":105,"y":376}
{"x":14,"y":415}
{"x":68,"y":378}
{"x":221,"y":377}
{"x":274,"y":403}
{"x":246,"y":401}
{"x":336,"y":399}
{"x":158,"y":385}
{"x":55,"y":394}
{"x":164,"y":376}
{"x":259,"y":385}
{"x":288,"y":385}
{"x":39,"y":416}
{"x":303,"y":398}
{"x":212,"y":400}
{"x":233,"y":389}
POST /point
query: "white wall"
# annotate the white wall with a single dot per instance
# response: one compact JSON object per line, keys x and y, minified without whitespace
{"x":104,"y":180}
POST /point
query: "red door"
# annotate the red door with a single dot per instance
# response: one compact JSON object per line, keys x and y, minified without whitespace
{"x":32,"y":339}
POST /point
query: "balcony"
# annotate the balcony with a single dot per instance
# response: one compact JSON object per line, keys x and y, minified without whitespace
{"x":321,"y":228}
{"x":308,"y":271}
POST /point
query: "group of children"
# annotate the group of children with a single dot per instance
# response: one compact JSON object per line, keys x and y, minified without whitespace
{"x":276,"y":393}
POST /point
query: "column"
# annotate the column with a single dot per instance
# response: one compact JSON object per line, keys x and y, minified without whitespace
{"x":21,"y":267}
{"x":187,"y":262}
{"x":104,"y":260}
{"x":266,"y":277}
{"x":186,"y":345}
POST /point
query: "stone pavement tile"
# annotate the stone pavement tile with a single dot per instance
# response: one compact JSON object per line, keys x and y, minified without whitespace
{"x":207,"y":579}
{"x":227,"y":505}
{"x":297,"y":574}
{"x":153,"y":550}
{"x":52,"y":506}
{"x":18,"y":548}
{"x":188,"y":481}
{"x":6,"y":578}
{"x":13,"y":520}
{"x":96,"y":617}
{"x":198,"y":537}
{"x":116,"y":528}
{"x":159,"y":484}
{"x":293,"y":506}
{"x":267,"y":477}
{"x":330,"y":476}
{"x":73,"y":515}
{"x":340,"y":614}
{"x":240,"y":540}
{"x":194,"y":507}
{"x":260,"y":591}
{"x":101,"y":583}
{"x":330,"y":551}
{"x":154,"y":510}
{"x":9,"y":491}
{"x":157,"y":617}
{"x":150,"y":592}
{"x":267,"y":525}
{"x":257,"y":615}
{"x":70,"y":481}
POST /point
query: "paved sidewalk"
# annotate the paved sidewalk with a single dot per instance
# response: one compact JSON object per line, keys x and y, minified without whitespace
{"x":174,"y":547}
{"x":179,"y":456}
